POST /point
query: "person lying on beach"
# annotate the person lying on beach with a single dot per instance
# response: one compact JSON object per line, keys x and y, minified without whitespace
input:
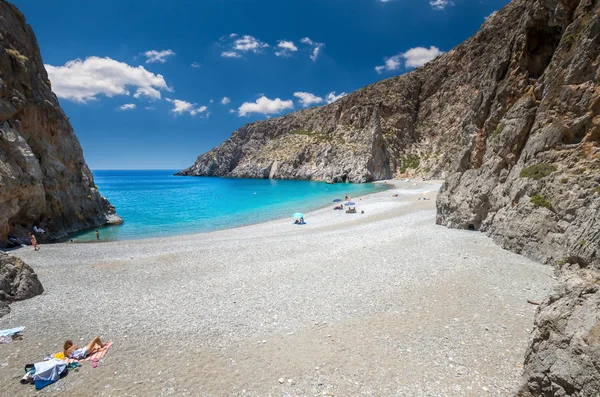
{"x":78,"y":352}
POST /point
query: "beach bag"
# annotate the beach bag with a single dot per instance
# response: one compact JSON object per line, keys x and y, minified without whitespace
{"x":47,"y":372}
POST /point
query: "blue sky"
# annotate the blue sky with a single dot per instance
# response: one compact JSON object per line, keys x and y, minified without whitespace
{"x":143,"y":82}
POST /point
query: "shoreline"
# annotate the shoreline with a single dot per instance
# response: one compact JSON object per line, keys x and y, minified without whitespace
{"x":74,"y":235}
{"x":384,"y":303}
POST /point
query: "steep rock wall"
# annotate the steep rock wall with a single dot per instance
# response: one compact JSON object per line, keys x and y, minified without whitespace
{"x":44,"y":179}
{"x":536,"y":186}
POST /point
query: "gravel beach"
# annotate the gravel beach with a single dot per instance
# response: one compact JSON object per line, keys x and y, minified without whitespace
{"x":384,"y":303}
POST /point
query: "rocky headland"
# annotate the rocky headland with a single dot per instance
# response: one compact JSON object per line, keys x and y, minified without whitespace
{"x":44,"y":180}
{"x":511,"y":120}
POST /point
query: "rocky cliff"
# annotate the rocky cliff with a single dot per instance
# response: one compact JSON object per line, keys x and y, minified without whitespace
{"x":44,"y":180}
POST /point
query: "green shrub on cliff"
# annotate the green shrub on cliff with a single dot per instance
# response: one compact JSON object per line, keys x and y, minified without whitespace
{"x":409,"y":161}
{"x":538,"y":171}
{"x":540,"y":201}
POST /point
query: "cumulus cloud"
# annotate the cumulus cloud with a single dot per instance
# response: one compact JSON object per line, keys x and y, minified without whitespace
{"x":331,"y":97}
{"x":440,"y":4}
{"x":285,"y":48}
{"x":307,"y":99}
{"x":83,"y":80}
{"x":419,"y":56}
{"x":181,"y":107}
{"x":230,"y":54}
{"x":316,"y":47}
{"x":412,"y":58}
{"x":127,"y":106}
{"x":249,"y":43}
{"x":158,"y":56}
{"x":196,"y":65}
{"x":225,"y":100}
{"x":265,"y":106}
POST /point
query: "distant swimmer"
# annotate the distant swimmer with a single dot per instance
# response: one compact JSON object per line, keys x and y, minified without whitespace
{"x":97,"y":235}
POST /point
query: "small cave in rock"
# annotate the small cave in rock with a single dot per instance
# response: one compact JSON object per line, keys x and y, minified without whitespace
{"x":541,"y":44}
{"x":471,"y":226}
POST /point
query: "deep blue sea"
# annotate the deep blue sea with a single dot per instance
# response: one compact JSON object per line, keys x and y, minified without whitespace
{"x":158,"y":204}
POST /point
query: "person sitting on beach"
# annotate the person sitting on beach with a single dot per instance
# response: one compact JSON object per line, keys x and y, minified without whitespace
{"x":346,"y":197}
{"x":34,"y":243}
{"x":78,"y":352}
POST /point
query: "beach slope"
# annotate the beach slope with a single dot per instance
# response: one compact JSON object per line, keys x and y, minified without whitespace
{"x":380,"y":303}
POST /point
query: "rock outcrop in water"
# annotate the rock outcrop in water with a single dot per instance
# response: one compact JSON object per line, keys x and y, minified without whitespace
{"x":44,"y":180}
{"x":18,"y":281}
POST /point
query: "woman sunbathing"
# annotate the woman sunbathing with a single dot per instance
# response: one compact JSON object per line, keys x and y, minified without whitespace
{"x":78,"y":352}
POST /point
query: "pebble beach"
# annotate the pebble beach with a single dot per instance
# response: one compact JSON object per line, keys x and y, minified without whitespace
{"x":385,"y":303}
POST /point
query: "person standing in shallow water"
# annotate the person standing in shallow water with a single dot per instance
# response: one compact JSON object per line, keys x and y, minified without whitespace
{"x":34,"y":243}
{"x":97,"y":235}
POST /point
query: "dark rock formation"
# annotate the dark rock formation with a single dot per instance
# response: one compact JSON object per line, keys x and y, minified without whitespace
{"x":18,"y":281}
{"x":44,"y":180}
{"x":563,"y":358}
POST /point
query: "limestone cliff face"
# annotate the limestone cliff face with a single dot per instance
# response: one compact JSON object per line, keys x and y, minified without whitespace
{"x":530,"y":177}
{"x":44,"y":180}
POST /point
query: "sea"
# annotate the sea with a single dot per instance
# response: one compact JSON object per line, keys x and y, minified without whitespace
{"x":155,"y":203}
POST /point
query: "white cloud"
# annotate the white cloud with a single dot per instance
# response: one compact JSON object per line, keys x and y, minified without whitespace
{"x":288,"y":45}
{"x":307,"y":99}
{"x":212,"y":101}
{"x":265,"y":106}
{"x":419,"y":56}
{"x":225,"y":100}
{"x":148,"y":92}
{"x":412,"y":58}
{"x":127,"y":106}
{"x":391,"y":63}
{"x":158,"y":56}
{"x":317,"y":47}
{"x":249,"y":43}
{"x":331,"y":97}
{"x":231,"y":111}
{"x":82,"y":81}
{"x":489,"y":16}
{"x":440,"y":4}
{"x":285,"y":48}
{"x":230,"y":54}
{"x":181,"y":107}
{"x":196,"y":65}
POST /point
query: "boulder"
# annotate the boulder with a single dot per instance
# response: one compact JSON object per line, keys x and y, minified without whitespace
{"x":563,"y":358}
{"x":18,"y":281}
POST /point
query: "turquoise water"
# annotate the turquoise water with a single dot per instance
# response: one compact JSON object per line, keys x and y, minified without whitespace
{"x":158,"y":204}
